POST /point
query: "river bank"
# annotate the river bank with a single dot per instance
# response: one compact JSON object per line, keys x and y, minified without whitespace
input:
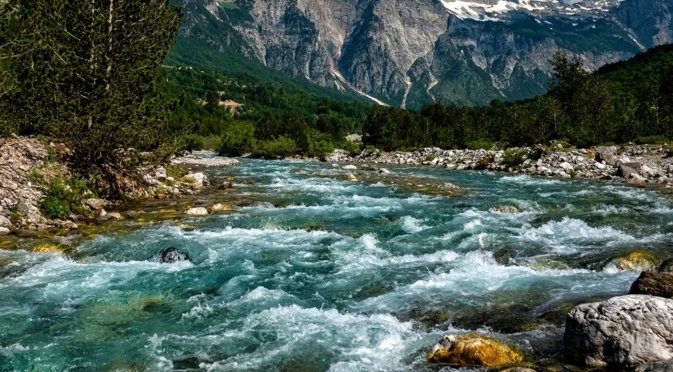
{"x":636,"y":164}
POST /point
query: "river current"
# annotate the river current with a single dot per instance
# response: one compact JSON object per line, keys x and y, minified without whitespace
{"x":317,"y":273}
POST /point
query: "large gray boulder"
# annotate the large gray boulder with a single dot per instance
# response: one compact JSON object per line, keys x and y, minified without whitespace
{"x":627,"y":331}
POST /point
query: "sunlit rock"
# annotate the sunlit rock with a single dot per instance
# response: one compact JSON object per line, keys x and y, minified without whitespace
{"x":622,"y":332}
{"x":47,"y":248}
{"x":473,"y":350}
{"x":198,"y":211}
{"x":222,"y":208}
{"x":634,"y":261}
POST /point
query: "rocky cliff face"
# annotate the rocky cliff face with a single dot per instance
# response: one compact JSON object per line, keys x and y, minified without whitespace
{"x":408,"y":52}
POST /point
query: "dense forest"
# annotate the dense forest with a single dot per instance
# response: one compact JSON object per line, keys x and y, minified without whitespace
{"x":623,"y":102}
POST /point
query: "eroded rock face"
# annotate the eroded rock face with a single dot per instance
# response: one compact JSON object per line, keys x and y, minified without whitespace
{"x":625,"y":331}
{"x":473,"y":350}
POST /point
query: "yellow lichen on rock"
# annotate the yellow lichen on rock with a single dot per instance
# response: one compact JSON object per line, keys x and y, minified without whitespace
{"x":636,"y":261}
{"x":47,"y":248}
{"x":473,"y":350}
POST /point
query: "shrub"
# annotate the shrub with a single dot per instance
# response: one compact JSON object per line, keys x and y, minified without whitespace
{"x":238,"y":139}
{"x":480,"y":144}
{"x":319,"y":144}
{"x":513,"y":158}
{"x":652,"y":140}
{"x":353,"y":148}
{"x":65,"y":197}
{"x":278,"y":148}
{"x":192,"y":142}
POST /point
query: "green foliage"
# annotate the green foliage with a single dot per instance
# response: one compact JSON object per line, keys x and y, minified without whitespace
{"x":653,"y":140}
{"x":86,"y":72}
{"x":353,"y":148}
{"x":320,"y":144}
{"x":514,"y":158}
{"x":193,"y":142}
{"x":64,"y":197}
{"x":480,"y":144}
{"x":238,"y":139}
{"x":278,"y":148}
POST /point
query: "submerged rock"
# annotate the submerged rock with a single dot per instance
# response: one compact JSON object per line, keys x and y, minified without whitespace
{"x":621,"y":332}
{"x":473,"y":350}
{"x":171,"y":255}
{"x":47,"y":248}
{"x":505,"y":209}
{"x":653,"y":284}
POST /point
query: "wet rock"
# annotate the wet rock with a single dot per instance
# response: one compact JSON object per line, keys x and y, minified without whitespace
{"x":505,"y":209}
{"x":351,"y":177}
{"x":222,"y":208}
{"x":666,"y":366}
{"x":473,"y":350}
{"x":199,"y":211}
{"x":160,"y":174}
{"x":622,"y":332}
{"x":4,"y":231}
{"x":384,"y":171}
{"x":627,"y":169}
{"x":197,"y":179}
{"x":47,"y":248}
{"x":171,"y":255}
{"x":115,"y":216}
{"x":349,"y":167}
{"x":97,"y":204}
{"x":666,"y":267}
{"x":634,"y":261}
{"x":653,"y":284}
{"x":5,"y":222}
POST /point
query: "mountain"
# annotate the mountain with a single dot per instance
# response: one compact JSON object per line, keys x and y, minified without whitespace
{"x":409,"y":52}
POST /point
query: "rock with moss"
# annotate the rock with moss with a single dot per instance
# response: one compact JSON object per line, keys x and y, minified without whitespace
{"x":634,"y":261}
{"x":473,"y":350}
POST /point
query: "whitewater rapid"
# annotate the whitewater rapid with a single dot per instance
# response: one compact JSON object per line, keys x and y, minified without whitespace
{"x":316,"y":273}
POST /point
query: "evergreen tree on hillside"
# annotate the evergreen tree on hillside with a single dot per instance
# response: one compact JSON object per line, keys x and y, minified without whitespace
{"x":86,"y":71}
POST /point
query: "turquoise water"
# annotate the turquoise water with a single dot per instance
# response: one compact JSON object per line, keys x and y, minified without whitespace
{"x":321,"y":274}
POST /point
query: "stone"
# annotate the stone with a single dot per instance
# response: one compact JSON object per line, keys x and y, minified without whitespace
{"x":384,"y":171}
{"x":222,"y":207}
{"x":5,"y":222}
{"x":160,"y":173}
{"x":4,"y":231}
{"x":199,"y":179}
{"x":566,"y":166}
{"x":634,"y":261}
{"x":349,"y":167}
{"x":473,"y":350}
{"x":505,"y":209}
{"x":627,"y":169}
{"x":600,"y":166}
{"x":115,"y":216}
{"x":653,"y":284}
{"x":97,"y":204}
{"x":666,"y":266}
{"x":47,"y":248}
{"x":622,"y":332}
{"x":199,"y":211}
{"x":171,"y":255}
{"x":351,"y":177}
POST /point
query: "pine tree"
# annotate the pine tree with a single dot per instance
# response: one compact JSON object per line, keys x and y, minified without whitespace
{"x":87,"y":72}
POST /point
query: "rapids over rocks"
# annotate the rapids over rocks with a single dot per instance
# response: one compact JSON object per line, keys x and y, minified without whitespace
{"x":318,"y":273}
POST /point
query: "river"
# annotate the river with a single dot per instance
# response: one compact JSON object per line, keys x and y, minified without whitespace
{"x":316,"y":273}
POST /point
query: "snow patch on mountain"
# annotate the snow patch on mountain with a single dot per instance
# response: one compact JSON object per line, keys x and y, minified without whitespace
{"x":485,"y":10}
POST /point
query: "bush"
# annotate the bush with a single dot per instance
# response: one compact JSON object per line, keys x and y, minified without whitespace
{"x":513,"y":158}
{"x":652,"y":140}
{"x":481,"y":144}
{"x":319,"y":144}
{"x":278,"y":148}
{"x":65,"y":197}
{"x":238,"y":139}
{"x":192,"y":142}
{"x":353,"y":148}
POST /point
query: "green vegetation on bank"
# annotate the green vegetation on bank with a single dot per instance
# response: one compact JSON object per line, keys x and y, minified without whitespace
{"x":628,"y":101}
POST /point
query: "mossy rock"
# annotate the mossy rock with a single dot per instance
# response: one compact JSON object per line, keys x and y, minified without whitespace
{"x":47,"y":248}
{"x":473,"y":350}
{"x":634,"y":261}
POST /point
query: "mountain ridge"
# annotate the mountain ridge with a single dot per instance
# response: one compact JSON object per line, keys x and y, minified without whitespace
{"x":410,"y":52}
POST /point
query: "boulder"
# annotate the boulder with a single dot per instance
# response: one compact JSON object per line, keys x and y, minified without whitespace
{"x":160,"y":173}
{"x":505,"y":209}
{"x":47,"y":248}
{"x":199,"y":211}
{"x":97,"y":204}
{"x":349,"y":167}
{"x":473,"y":350}
{"x":115,"y":216}
{"x":666,"y":266}
{"x":4,"y":231}
{"x":384,"y":171}
{"x":351,"y":177}
{"x":653,"y":284}
{"x":198,"y":179}
{"x":5,"y":222}
{"x":622,"y":332}
{"x":222,"y":207}
{"x":627,"y":169}
{"x":171,"y":255}
{"x":634,"y":261}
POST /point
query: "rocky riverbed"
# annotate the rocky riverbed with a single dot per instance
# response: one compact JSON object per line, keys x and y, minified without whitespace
{"x":630,"y":164}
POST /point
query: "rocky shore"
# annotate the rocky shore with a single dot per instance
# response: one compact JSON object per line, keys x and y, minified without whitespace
{"x":28,"y":165}
{"x":631,"y":164}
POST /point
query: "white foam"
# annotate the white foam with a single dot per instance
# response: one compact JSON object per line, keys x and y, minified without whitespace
{"x":529,"y":181}
{"x":412,"y":225}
